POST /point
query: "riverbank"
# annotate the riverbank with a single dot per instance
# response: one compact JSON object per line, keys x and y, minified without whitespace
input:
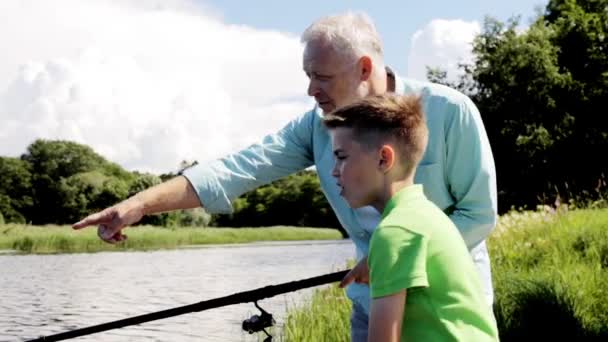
{"x":63,"y":239}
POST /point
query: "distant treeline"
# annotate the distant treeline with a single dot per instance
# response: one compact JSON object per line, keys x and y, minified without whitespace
{"x":60,"y":182}
{"x":542,"y":93}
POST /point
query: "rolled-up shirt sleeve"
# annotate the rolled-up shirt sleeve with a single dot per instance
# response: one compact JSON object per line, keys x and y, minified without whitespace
{"x":471,"y":174}
{"x":219,"y":182}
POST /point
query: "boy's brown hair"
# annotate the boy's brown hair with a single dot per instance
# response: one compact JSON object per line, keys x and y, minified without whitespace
{"x":376,"y":119}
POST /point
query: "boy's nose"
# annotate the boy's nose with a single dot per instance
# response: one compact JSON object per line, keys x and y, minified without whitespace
{"x":335,"y":172}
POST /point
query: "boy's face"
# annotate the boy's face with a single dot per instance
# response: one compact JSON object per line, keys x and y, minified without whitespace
{"x":356,"y":169}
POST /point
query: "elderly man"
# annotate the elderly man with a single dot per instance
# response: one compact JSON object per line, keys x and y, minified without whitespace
{"x":343,"y":60}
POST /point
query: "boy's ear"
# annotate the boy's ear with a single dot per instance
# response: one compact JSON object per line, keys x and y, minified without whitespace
{"x":387,"y":158}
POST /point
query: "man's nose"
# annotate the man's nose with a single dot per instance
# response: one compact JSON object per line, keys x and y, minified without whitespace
{"x":313,"y":89}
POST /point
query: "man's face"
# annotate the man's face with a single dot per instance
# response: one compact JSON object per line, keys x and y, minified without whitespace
{"x":333,"y":78}
{"x":356,"y":170}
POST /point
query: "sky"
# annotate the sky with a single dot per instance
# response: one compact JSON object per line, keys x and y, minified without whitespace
{"x":150,"y":83}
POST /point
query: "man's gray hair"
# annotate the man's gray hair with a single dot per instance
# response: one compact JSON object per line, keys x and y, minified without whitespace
{"x":351,"y":34}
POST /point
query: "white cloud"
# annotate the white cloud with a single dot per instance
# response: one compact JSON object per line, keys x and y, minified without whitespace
{"x":146,"y":84}
{"x":442,"y":43}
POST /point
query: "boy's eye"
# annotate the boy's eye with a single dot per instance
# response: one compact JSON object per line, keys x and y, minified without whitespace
{"x":342,"y":157}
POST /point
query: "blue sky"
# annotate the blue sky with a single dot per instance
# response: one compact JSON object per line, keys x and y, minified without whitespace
{"x":395,"y":20}
{"x":149,"y":83}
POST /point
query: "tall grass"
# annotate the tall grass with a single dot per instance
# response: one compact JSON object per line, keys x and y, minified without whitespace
{"x":63,"y":239}
{"x":550,"y":272}
{"x":550,"y":276}
{"x":326,"y":319}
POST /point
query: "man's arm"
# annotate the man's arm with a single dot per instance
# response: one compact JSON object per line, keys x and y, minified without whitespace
{"x":214,"y":185}
{"x":386,"y":317}
{"x":176,"y":193}
{"x":277,"y":155}
{"x":471,"y":174}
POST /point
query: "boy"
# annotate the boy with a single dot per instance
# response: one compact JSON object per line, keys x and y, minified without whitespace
{"x":422,"y":277}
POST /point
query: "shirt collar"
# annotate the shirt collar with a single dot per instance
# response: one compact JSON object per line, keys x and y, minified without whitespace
{"x":407,"y":194}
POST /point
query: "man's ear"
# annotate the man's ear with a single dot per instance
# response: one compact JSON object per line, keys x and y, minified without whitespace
{"x":365,"y":67}
{"x":387,"y":158}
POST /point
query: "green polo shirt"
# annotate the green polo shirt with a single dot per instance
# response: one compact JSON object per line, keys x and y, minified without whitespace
{"x":417,"y":248}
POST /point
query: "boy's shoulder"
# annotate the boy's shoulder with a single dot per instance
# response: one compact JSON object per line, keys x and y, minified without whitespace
{"x":421,"y":216}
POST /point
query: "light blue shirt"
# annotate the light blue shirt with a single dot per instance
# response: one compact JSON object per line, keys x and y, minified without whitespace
{"x":457,"y":172}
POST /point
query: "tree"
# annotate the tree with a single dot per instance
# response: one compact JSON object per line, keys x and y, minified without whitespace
{"x":70,"y":179}
{"x":15,"y":189}
{"x":581,"y":33}
{"x":296,"y":200}
{"x":540,"y":94}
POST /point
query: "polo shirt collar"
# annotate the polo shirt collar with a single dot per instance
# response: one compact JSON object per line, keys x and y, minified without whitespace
{"x":407,"y":194}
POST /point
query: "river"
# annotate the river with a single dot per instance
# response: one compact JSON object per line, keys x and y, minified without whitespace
{"x":48,"y":294}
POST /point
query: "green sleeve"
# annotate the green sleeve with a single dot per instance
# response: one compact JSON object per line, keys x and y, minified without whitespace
{"x":397,"y":261}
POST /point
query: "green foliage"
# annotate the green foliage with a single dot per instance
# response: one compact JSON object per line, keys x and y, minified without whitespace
{"x":7,"y":210}
{"x":550,"y":271}
{"x":541,"y":94}
{"x":15,"y":189}
{"x":295,"y":200}
{"x":69,"y":180}
{"x":59,"y":159}
{"x":196,"y":217}
{"x":143,"y":181}
{"x":537,"y":309}
{"x":62,"y":182}
{"x":327,"y":318}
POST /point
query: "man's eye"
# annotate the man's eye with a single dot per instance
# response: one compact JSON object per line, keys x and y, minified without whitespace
{"x":319,"y":77}
{"x":340,"y":157}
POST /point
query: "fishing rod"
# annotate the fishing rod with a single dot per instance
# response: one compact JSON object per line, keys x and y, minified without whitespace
{"x":254,"y":324}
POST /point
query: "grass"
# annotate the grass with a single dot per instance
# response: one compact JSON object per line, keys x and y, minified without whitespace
{"x":550,"y":276}
{"x":326,"y":319}
{"x":63,"y":239}
{"x":550,"y":272}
